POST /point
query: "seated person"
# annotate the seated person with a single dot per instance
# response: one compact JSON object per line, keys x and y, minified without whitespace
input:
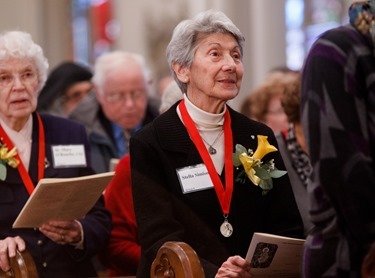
{"x":66,"y":86}
{"x":123,"y":253}
{"x":264,"y":102}
{"x":119,"y":107}
{"x":59,"y":248}
{"x":184,"y":184}
{"x":293,"y":150}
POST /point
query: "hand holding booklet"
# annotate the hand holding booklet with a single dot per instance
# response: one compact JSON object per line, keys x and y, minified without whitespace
{"x":275,"y":256}
{"x":62,"y":199}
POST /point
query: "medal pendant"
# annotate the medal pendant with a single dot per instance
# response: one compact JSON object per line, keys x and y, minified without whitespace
{"x":212,"y":150}
{"x":226,"y":229}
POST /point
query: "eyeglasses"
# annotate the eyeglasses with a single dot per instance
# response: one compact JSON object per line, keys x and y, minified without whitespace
{"x":27,"y":77}
{"x":124,"y":96}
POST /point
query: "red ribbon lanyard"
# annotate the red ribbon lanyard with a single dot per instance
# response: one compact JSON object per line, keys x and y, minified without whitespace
{"x":224,"y":194}
{"x":27,"y":182}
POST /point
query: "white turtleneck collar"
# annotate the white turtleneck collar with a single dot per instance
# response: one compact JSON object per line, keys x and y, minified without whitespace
{"x":204,"y":120}
{"x":210,"y":127}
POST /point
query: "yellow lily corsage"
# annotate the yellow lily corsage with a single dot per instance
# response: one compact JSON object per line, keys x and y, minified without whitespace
{"x":7,"y":157}
{"x":254,"y":168}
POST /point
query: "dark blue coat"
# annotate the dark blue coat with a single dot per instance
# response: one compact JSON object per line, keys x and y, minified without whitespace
{"x":53,"y":260}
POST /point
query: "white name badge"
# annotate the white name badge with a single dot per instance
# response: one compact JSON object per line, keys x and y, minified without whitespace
{"x":68,"y":156}
{"x":194,"y":178}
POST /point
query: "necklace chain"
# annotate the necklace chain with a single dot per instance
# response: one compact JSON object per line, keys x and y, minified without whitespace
{"x":211,"y":149}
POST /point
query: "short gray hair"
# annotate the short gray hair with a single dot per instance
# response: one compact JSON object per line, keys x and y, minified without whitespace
{"x":117,"y":59}
{"x":18,"y":44}
{"x":181,"y":48}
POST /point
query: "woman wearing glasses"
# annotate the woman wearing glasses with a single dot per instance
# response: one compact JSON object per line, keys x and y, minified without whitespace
{"x":59,"y":248}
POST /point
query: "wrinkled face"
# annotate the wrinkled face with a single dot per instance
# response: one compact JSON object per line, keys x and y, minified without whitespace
{"x":216,"y":72}
{"x":124,"y":96}
{"x":18,"y":89}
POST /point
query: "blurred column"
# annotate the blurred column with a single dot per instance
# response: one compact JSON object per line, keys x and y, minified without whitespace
{"x":46,"y":20}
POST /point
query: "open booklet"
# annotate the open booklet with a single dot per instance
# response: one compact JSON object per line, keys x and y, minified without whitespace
{"x":62,"y":199}
{"x":275,"y":256}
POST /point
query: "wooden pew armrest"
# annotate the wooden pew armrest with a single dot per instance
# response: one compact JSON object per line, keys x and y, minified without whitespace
{"x":176,"y":259}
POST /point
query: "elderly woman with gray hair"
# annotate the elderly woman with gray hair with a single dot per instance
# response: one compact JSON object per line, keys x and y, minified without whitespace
{"x":59,"y":248}
{"x":185,"y":186}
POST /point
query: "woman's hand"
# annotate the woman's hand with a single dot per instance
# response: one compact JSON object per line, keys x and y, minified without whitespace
{"x":62,"y":232}
{"x":234,"y":266}
{"x":8,"y":248}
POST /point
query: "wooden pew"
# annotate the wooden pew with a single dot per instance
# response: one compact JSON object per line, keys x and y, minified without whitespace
{"x":176,"y":259}
{"x":22,"y":266}
{"x":368,"y":264}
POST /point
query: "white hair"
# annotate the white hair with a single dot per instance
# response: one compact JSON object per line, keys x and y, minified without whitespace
{"x":117,"y":59}
{"x":18,"y":44}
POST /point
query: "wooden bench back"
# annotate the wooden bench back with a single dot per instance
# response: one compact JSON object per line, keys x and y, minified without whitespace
{"x":22,"y":266}
{"x":176,"y":259}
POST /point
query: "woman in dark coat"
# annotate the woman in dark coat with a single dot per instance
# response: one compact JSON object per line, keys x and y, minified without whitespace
{"x":183,"y":179}
{"x":27,"y":141}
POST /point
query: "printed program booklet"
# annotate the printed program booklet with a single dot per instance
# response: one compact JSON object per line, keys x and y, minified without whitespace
{"x":62,"y":199}
{"x":275,"y":256}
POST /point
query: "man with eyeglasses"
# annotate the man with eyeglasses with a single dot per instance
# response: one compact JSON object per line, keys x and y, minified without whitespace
{"x":119,"y":107}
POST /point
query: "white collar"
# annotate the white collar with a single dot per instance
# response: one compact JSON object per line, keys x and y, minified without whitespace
{"x":24,"y":135}
{"x":202,"y":118}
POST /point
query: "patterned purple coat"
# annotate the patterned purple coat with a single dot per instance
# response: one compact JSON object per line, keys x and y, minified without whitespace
{"x":338,"y":115}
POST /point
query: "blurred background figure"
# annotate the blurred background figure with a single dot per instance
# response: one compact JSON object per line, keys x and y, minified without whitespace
{"x":293,"y":148}
{"x":264,"y":102}
{"x":338,"y":119}
{"x":119,"y":107}
{"x":163,"y":84}
{"x":66,"y":86}
{"x":123,"y":253}
{"x":171,"y":94}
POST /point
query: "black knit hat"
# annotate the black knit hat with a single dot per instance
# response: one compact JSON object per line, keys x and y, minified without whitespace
{"x":60,"y":79}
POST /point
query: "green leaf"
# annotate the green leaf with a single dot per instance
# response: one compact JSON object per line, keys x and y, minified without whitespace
{"x":241,"y":177}
{"x":235,"y":159}
{"x":277,"y":173}
{"x":266,"y":185}
{"x":236,"y":156}
{"x":240,"y":149}
{"x":3,"y":172}
{"x":262,"y":173}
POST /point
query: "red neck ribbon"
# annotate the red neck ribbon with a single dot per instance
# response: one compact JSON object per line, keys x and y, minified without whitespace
{"x":27,"y":182}
{"x":224,"y":194}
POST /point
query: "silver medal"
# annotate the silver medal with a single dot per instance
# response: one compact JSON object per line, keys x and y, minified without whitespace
{"x":226,"y":229}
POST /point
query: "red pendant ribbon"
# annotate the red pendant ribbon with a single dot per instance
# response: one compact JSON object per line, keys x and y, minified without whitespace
{"x":28,"y":183}
{"x":224,"y":194}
